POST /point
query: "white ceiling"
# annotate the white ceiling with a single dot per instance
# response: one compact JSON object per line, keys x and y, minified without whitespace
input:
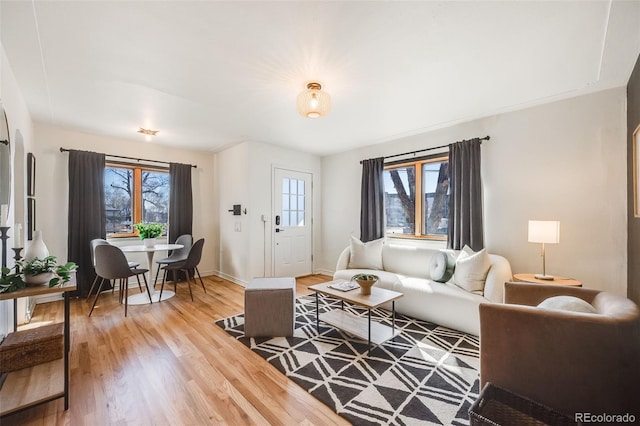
{"x":210,"y":74}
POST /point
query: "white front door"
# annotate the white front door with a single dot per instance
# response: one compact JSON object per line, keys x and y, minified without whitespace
{"x":292,"y":223}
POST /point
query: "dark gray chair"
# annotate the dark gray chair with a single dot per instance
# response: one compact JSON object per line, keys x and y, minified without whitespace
{"x":111,"y":264}
{"x":176,"y":255}
{"x":102,"y":242}
{"x":189,"y":266}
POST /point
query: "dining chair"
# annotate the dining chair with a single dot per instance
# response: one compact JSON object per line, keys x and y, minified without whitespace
{"x":111,"y":264}
{"x":177,"y":255}
{"x":102,"y":242}
{"x":189,"y":266}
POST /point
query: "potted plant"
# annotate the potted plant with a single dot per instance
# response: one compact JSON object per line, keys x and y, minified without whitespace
{"x":149,"y":232}
{"x":365,"y":281}
{"x":36,"y":272}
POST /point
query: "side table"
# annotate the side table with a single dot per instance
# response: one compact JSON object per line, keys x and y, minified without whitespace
{"x":530,"y":278}
{"x":43,"y":382}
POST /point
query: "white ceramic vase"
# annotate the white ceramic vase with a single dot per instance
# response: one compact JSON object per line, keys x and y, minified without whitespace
{"x":149,"y":242}
{"x":37,"y":248}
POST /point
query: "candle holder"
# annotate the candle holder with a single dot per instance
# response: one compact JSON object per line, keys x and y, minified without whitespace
{"x":4,"y":236}
{"x":17,"y":256}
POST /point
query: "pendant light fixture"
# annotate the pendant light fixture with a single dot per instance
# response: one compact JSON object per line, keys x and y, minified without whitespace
{"x":147,"y":133}
{"x":313,"y":102}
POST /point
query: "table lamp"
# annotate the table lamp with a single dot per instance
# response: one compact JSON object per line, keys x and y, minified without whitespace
{"x":545,"y":232}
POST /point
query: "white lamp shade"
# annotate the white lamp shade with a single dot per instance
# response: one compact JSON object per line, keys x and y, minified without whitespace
{"x":544,"y":231}
{"x":313,"y":102}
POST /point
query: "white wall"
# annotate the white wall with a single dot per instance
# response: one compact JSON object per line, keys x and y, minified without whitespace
{"x":233,"y":188}
{"x":561,"y":161}
{"x":21,"y":134}
{"x":52,"y":185}
{"x":245,"y":177}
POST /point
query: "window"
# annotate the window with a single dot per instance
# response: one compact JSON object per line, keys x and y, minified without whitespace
{"x":292,"y":202}
{"x":135,"y":194}
{"x":425,"y":215}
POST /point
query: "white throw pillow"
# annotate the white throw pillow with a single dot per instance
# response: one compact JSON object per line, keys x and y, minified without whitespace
{"x":472,"y":269}
{"x":567,"y":303}
{"x":366,"y":255}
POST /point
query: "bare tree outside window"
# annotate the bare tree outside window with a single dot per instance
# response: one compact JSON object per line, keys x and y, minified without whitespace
{"x":400,"y":191}
{"x":403,"y":198}
{"x":155,"y":197}
{"x":128,"y":187}
{"x":436,"y":193}
{"x":118,"y":200}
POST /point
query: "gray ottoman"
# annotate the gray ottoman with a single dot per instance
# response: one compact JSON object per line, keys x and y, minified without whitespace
{"x":269,"y":307}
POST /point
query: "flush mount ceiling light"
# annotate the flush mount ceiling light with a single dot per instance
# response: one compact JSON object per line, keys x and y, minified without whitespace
{"x":313,"y":102}
{"x":147,"y":133}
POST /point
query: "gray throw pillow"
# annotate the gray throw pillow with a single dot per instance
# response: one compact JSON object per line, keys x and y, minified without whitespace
{"x":441,"y":267}
{"x":567,"y":303}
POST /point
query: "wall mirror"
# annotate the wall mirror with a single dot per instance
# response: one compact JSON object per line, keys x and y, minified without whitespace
{"x":5,"y":159}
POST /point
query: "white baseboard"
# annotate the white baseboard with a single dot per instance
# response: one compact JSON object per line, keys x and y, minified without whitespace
{"x":45,"y":299}
{"x":231,"y":278}
{"x":324,"y":272}
{"x":132,"y":284}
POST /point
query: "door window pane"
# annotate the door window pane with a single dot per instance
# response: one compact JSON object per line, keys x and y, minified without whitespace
{"x":293,"y":202}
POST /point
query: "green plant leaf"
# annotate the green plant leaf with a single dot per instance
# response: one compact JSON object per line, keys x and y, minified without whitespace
{"x":148,"y":230}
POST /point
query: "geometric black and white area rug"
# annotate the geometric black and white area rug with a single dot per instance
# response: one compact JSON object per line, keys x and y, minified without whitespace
{"x":427,"y":375}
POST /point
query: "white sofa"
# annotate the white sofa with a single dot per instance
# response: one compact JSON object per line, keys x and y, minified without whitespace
{"x":406,"y":269}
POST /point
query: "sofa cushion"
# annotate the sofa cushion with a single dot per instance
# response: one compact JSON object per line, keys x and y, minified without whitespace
{"x":441,"y":267}
{"x":407,"y":260}
{"x":471,"y":269}
{"x":567,"y":303}
{"x":366,"y":255}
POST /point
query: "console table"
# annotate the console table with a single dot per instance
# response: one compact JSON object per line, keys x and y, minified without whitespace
{"x":41,"y":383}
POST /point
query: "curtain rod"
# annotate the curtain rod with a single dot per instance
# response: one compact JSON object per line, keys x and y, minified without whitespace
{"x":132,"y":158}
{"x":486,"y":138}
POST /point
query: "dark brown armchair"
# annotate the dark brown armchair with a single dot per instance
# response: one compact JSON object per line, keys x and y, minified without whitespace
{"x":568,"y":361}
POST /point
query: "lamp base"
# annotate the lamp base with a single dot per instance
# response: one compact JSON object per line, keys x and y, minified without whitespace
{"x":544,"y":277}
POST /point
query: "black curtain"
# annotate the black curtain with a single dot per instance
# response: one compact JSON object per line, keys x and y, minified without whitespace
{"x":86,"y":212}
{"x":465,"y":198}
{"x":180,"y":201}
{"x":372,"y":200}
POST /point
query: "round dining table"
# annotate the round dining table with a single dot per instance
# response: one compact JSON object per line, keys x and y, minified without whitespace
{"x":142,"y":298}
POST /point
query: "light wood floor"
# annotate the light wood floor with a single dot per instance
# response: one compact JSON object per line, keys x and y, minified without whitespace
{"x":169,"y":364}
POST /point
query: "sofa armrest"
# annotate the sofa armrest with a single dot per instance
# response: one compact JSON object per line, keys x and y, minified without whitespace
{"x":499,"y":273}
{"x":343,"y":260}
